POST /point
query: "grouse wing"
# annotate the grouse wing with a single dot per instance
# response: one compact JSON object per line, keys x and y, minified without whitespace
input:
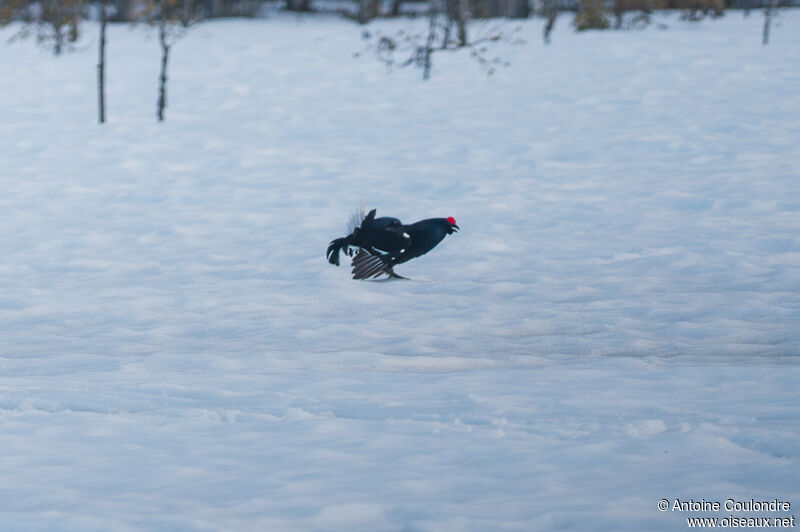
{"x":367,"y":265}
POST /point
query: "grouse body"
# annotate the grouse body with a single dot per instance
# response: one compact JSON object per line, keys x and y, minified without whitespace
{"x":381,"y":243}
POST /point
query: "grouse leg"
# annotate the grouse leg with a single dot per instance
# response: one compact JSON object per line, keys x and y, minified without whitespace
{"x":390,"y":272}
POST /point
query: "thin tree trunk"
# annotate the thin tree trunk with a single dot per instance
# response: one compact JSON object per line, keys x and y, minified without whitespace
{"x":462,"y":22}
{"x":101,"y":65}
{"x":767,"y":21}
{"x":551,"y":22}
{"x":426,"y":63}
{"x":58,"y":45}
{"x":162,"y":85}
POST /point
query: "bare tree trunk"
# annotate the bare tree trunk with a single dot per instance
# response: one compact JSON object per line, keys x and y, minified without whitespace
{"x":551,"y":12}
{"x":463,"y":8}
{"x":101,"y":65}
{"x":58,"y":38}
{"x":72,"y":33}
{"x":162,"y":80}
{"x":426,"y":63}
{"x":767,"y":22}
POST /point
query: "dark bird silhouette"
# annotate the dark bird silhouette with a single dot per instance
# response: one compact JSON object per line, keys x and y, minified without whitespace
{"x":381,"y":243}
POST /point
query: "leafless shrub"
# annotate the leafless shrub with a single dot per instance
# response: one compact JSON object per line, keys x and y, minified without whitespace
{"x":54,"y":23}
{"x":403,"y":48}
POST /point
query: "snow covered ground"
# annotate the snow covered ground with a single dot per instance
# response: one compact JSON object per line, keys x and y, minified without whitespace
{"x":617,"y":322}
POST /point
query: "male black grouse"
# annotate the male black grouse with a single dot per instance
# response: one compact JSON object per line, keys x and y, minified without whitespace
{"x":385,"y":241}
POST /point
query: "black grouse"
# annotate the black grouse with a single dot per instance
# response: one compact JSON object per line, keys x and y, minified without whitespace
{"x":383,"y":242}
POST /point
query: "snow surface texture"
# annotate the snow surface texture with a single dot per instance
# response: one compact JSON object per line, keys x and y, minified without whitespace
{"x":617,"y":322}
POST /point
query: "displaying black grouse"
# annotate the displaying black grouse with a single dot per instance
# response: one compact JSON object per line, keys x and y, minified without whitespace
{"x":383,"y":242}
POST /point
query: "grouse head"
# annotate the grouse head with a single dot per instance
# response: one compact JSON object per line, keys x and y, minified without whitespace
{"x":453,"y":227}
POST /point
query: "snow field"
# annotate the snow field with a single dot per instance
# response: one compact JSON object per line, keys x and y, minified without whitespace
{"x":616,"y":322}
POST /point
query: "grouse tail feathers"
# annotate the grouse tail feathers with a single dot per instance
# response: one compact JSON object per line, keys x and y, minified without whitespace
{"x":336,"y":246}
{"x":357,"y":221}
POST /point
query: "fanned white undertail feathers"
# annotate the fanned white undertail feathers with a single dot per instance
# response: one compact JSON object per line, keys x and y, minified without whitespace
{"x":357,"y":217}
